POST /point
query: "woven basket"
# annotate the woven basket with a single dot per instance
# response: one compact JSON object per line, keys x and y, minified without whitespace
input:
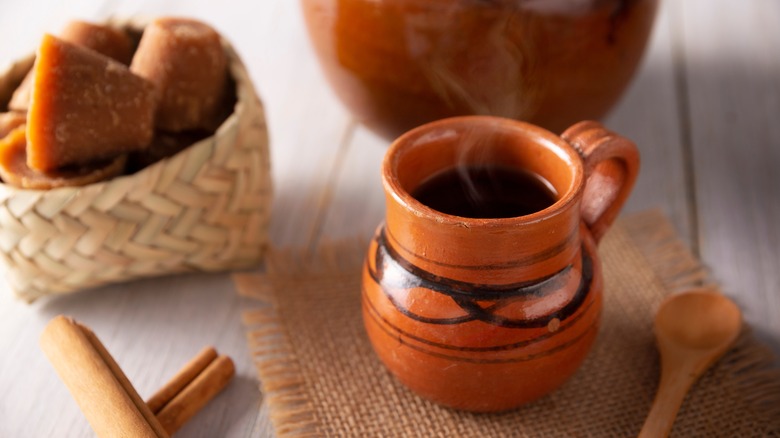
{"x":204,"y":209}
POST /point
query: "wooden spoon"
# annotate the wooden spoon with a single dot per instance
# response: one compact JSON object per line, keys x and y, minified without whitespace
{"x":693,"y":330}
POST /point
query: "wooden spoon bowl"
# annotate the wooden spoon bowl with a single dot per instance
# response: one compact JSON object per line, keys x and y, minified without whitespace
{"x":693,"y":330}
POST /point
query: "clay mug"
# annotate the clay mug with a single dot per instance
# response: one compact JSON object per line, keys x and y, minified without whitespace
{"x":486,"y":314}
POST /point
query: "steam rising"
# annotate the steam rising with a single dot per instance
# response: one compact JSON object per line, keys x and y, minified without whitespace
{"x":459,"y":66}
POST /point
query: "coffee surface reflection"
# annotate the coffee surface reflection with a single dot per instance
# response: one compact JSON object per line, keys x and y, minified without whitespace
{"x":487,"y":192}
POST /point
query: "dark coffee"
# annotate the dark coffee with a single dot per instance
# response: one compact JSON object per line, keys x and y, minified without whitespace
{"x":486,"y":192}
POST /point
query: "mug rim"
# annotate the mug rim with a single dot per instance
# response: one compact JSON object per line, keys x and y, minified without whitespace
{"x":568,"y":154}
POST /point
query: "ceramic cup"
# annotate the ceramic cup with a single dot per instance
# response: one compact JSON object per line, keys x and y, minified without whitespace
{"x":488,"y":314}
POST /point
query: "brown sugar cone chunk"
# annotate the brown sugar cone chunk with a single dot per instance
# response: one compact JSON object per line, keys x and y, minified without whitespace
{"x":85,"y":107}
{"x":105,"y":40}
{"x":14,"y":170}
{"x":20,"y":100}
{"x":10,"y":121}
{"x":185,"y":61}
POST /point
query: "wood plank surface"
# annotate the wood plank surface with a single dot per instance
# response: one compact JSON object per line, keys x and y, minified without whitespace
{"x":732,"y":66}
{"x":649,"y":114}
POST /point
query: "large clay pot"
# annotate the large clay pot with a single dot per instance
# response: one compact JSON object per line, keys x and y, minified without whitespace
{"x":488,"y":314}
{"x":397,"y":64}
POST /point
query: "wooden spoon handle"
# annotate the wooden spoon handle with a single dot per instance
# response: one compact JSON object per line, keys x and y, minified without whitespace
{"x":674,"y":385}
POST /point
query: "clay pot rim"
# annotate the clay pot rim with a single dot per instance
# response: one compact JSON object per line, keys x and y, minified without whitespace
{"x":563,"y":149}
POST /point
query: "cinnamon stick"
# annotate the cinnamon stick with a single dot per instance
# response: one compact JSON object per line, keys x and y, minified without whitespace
{"x":184,"y":377}
{"x":196,"y":394}
{"x":102,"y":391}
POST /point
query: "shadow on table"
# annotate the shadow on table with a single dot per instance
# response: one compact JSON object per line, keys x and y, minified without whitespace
{"x":771,"y":341}
{"x":240,"y":400}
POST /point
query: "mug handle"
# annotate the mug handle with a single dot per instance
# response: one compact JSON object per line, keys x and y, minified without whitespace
{"x":611,"y":165}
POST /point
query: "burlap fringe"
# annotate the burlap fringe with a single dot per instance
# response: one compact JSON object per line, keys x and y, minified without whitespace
{"x":292,"y":414}
{"x":667,"y":255}
{"x":755,"y":370}
{"x":754,"y":366}
{"x":284,"y":387}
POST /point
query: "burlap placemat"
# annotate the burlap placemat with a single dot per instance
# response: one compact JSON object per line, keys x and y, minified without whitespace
{"x":321,"y":377}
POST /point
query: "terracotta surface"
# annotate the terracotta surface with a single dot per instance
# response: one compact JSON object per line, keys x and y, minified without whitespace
{"x":85,"y":107}
{"x":106,"y":40}
{"x":488,"y":314}
{"x":184,"y":59}
{"x":397,"y":64}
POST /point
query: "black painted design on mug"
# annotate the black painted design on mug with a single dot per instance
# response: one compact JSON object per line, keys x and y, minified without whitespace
{"x":488,"y":360}
{"x":394,"y":272}
{"x":402,"y":334}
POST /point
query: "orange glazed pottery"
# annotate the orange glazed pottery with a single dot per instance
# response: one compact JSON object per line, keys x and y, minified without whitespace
{"x":397,"y":64}
{"x":488,"y":314}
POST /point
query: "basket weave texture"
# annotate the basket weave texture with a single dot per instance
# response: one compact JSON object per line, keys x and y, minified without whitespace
{"x":204,"y":209}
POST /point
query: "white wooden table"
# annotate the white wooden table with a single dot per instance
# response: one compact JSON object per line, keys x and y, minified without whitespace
{"x":704,"y":109}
